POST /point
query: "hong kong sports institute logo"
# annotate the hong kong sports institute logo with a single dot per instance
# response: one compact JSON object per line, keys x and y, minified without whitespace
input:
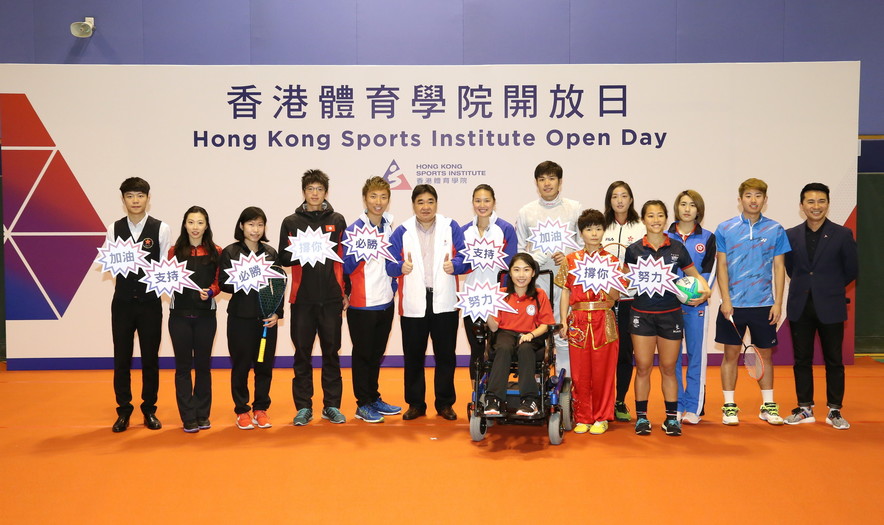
{"x":51,"y":230}
{"x":396,"y":178}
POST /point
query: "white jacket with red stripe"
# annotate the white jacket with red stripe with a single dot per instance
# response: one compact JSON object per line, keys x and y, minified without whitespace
{"x":370,"y":286}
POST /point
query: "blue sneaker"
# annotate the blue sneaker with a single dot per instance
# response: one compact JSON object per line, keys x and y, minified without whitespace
{"x":305,"y":415}
{"x":642,"y":426}
{"x":334,"y":415}
{"x":386,"y":409}
{"x":369,"y":414}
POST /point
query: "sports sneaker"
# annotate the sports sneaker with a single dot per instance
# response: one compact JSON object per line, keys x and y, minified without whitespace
{"x":800,"y":415}
{"x":672,"y":427}
{"x":834,"y":418}
{"x":770,"y":412}
{"x":581,"y":428}
{"x":244,"y":421}
{"x":386,"y":409}
{"x":304,"y":416}
{"x":333,"y":415}
{"x":191,"y":427}
{"x":492,"y":406}
{"x":369,"y":414}
{"x":260,"y":419}
{"x":729,"y":414}
{"x":642,"y":427}
{"x":599,"y":427}
{"x":621,"y":412}
{"x":690,"y":418}
{"x":203,"y":423}
{"x":528,"y":408}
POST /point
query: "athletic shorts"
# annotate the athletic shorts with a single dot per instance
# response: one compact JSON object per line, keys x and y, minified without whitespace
{"x":668,"y":325}
{"x":763,"y":334}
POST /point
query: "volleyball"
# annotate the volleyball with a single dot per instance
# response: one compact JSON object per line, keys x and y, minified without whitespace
{"x":688,"y":288}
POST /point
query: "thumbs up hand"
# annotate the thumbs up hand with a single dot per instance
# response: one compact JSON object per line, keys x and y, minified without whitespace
{"x":407,"y":266}
{"x":448,"y":266}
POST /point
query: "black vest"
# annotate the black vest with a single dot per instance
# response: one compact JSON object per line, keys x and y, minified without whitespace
{"x":128,"y":288}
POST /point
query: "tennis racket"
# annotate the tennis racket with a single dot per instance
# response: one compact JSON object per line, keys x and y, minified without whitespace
{"x":270,"y":297}
{"x":751,"y":360}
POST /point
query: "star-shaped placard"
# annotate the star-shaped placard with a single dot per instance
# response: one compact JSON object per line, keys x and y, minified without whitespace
{"x":598,"y":274}
{"x":484,"y":254}
{"x":651,"y":276}
{"x":168,"y":277}
{"x":250,"y":272}
{"x":122,"y":257}
{"x":367,"y":244}
{"x":481,"y":300}
{"x":551,"y":236}
{"x":312,"y":246}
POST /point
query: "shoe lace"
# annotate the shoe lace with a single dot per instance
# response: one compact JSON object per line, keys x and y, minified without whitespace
{"x":730,"y":410}
{"x":772,"y":409}
{"x":835,"y":414}
{"x":302,"y":413}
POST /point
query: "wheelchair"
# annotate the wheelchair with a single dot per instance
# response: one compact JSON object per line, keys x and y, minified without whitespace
{"x":554,"y":402}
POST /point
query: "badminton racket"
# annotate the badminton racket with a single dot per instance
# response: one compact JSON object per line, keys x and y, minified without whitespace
{"x":270,"y":296}
{"x":751,"y":360}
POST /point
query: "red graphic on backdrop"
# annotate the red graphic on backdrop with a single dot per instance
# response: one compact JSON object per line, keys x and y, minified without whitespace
{"x":52,"y":230}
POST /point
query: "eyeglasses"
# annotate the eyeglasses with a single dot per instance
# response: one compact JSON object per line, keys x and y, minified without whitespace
{"x":314,"y":189}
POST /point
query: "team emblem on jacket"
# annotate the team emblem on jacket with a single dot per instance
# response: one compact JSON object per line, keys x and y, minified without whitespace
{"x":531,"y":310}
{"x":700,"y":248}
{"x":147,"y":244}
{"x":329,"y":227}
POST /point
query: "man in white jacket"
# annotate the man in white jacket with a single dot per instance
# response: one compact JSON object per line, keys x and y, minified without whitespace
{"x":550,"y":205}
{"x":428,"y":250}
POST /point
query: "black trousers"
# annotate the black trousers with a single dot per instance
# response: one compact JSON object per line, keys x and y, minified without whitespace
{"x":477,"y":350}
{"x":145,"y":318}
{"x":369,"y":332}
{"x":831,"y":336}
{"x":624,"y":358}
{"x":243,"y":342}
{"x":442,"y":329}
{"x":308,"y":321}
{"x":506,"y":346}
{"x":192,"y":340}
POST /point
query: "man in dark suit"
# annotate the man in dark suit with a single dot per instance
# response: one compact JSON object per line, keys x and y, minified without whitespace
{"x":823,"y":261}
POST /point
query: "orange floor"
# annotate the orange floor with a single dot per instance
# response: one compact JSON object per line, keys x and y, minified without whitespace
{"x":62,"y":464}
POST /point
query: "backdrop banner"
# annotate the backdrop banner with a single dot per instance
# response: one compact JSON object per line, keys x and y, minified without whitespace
{"x":228,"y":137}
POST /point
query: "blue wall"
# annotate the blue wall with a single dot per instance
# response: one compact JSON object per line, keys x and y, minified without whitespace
{"x":453,"y":32}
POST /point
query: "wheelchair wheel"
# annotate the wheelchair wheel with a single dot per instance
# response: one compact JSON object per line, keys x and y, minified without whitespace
{"x":567,"y":405}
{"x":478,"y":427}
{"x":556,"y":431}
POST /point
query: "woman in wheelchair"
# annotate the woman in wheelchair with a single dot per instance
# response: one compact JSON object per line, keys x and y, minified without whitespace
{"x":521,"y":334}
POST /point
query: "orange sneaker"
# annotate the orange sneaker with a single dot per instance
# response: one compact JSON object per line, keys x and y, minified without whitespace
{"x":244,"y":421}
{"x":260,"y":419}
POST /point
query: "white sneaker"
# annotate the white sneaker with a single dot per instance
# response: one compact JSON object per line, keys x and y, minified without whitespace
{"x":690,"y":418}
{"x":729,"y":414}
{"x":834,"y":418}
{"x":770,"y":412}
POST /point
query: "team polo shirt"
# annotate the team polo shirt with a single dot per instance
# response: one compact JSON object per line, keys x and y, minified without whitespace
{"x":671,"y":252}
{"x":531,"y":313}
{"x":750,"y":250}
